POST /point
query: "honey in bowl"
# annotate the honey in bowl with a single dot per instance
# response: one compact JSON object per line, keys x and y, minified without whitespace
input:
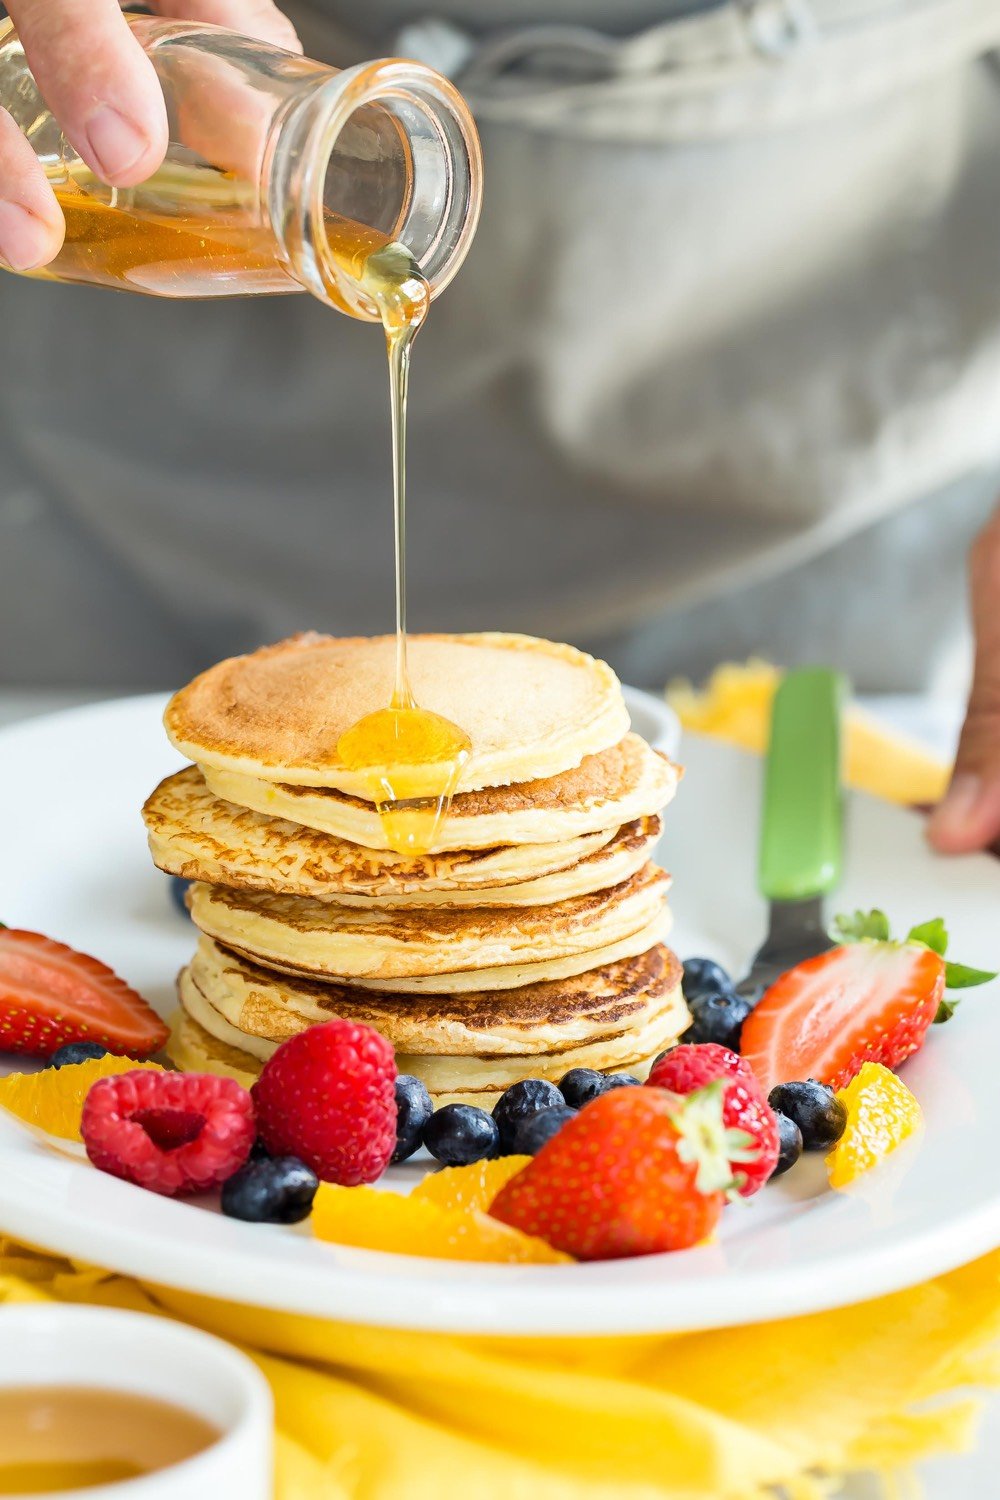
{"x":73,"y":1438}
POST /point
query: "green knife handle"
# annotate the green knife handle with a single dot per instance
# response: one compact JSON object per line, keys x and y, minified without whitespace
{"x":800,"y":842}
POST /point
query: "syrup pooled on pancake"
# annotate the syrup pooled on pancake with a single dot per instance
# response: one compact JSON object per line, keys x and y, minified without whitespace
{"x":413,"y":757}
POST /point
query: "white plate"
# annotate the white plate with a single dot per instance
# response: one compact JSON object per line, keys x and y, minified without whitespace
{"x":74,"y":864}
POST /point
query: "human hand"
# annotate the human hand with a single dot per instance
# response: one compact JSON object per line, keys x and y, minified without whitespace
{"x":103,"y":90}
{"x":969,"y":816}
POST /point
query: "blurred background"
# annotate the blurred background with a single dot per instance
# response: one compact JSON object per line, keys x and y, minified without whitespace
{"x":721,"y":375}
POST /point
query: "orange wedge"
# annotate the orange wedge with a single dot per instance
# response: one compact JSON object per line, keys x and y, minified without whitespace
{"x":52,"y":1100}
{"x":369,"y":1219}
{"x":881,"y":1115}
{"x":469,"y":1188}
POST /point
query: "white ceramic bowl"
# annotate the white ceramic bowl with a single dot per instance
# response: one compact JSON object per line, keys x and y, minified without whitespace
{"x":148,"y":1356}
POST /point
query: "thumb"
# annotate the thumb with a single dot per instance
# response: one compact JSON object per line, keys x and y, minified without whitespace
{"x":969,"y":816}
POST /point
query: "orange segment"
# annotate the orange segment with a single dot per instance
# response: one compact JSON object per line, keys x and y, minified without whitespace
{"x":53,"y":1099}
{"x":881,"y":1115}
{"x":369,"y":1219}
{"x":469,"y":1188}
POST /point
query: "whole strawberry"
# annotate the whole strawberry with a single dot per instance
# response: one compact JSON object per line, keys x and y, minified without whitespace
{"x":637,"y":1172}
{"x":691,"y":1066}
{"x":328,"y":1097}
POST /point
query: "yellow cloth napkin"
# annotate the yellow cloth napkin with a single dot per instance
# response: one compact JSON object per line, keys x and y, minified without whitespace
{"x":735,"y":705}
{"x":370,"y":1414}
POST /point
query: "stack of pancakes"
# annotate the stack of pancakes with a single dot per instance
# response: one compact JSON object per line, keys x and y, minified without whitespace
{"x":529,"y":940}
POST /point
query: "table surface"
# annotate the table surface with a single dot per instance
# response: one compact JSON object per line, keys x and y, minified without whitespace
{"x":935,"y":722}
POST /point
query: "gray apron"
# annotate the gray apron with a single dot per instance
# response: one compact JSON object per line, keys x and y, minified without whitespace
{"x":722,"y":372}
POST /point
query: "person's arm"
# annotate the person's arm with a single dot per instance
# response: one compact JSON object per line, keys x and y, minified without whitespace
{"x":969,"y":816}
{"x":102,"y":88}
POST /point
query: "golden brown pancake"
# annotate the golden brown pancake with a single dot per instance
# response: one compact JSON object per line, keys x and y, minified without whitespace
{"x":627,"y":781}
{"x":196,"y":835}
{"x":531,"y":708}
{"x":369,"y":944}
{"x":204,"y":1039}
{"x":544,"y":1017}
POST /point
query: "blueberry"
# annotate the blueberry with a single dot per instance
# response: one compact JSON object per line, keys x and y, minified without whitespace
{"x":531,"y":1134}
{"x":717,"y":1018}
{"x":413,"y":1110}
{"x":703,"y":976}
{"x":813,"y":1106}
{"x":581,"y":1085}
{"x":790,"y":1137}
{"x":270,"y":1190}
{"x":76,"y":1052}
{"x":518,"y":1102}
{"x":460,"y":1134}
{"x":620,"y":1081}
{"x":178,"y":891}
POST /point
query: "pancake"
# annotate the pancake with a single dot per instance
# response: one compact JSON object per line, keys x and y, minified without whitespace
{"x":537,"y":1018}
{"x":531,"y":708}
{"x":626,"y":781}
{"x":506,"y":976}
{"x":194,"y":1050}
{"x":369,"y":944}
{"x":203,"y":1040}
{"x":194,"y":834}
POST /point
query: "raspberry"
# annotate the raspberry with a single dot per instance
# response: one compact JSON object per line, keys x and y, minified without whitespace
{"x":686,"y":1068}
{"x":690,"y":1066}
{"x":328,"y":1096}
{"x":169,"y":1132}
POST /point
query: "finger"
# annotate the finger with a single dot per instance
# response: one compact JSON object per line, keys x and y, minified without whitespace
{"x":31,"y":226}
{"x":969,"y":816}
{"x":257,"y":18}
{"x":98,"y":83}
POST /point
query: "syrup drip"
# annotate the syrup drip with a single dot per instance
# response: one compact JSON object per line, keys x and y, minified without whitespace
{"x":412,"y":758}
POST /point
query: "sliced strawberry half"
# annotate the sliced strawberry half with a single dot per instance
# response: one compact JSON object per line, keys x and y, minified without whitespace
{"x":862,"y":1002}
{"x":51,"y":995}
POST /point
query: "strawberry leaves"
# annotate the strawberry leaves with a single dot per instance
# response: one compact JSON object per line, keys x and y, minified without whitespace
{"x":873,"y":926}
{"x":861,"y":926}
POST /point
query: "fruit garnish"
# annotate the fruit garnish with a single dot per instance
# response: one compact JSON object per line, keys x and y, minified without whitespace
{"x":520,"y":1102}
{"x":172,"y":1133}
{"x":270,"y":1190}
{"x":369,"y":1219}
{"x":459,"y":1134}
{"x":868,"y":1000}
{"x":688,"y":1067}
{"x":469,"y":1188}
{"x":881,"y":1115}
{"x":638,"y":1171}
{"x":51,"y":995}
{"x":328,"y":1097}
{"x":537,"y":1130}
{"x":52,"y":1100}
{"x":814,"y":1108}
{"x":413,"y":1110}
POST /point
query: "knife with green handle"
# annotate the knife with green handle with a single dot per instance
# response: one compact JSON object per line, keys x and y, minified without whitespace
{"x":802,"y":825}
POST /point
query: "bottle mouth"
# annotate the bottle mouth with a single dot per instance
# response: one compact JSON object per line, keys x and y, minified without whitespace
{"x":394,"y":158}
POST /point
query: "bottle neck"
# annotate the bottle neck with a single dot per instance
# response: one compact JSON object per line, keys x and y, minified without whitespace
{"x":384,"y":152}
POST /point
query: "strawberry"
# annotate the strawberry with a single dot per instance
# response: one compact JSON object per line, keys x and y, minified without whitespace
{"x":636,"y":1172}
{"x":688,"y":1067}
{"x":51,"y":995}
{"x":328,"y":1096}
{"x":869,"y":1000}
